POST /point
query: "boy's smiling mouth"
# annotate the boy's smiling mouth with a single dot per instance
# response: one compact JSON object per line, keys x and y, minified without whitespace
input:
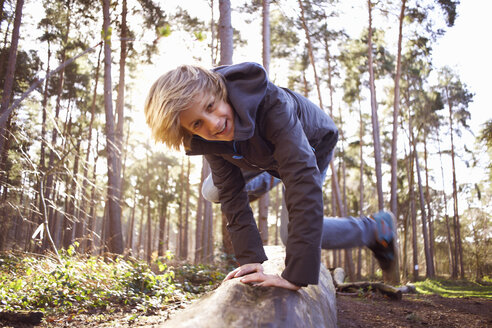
{"x":222,"y":130}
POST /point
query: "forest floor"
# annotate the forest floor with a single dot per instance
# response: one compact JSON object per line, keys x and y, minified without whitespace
{"x":414,"y":310}
{"x":371,"y":310}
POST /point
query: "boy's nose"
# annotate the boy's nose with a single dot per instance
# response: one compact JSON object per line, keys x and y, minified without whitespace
{"x":211,"y":123}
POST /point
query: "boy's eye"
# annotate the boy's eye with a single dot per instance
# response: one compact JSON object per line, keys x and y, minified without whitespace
{"x":210,"y":107}
{"x":196,"y":125}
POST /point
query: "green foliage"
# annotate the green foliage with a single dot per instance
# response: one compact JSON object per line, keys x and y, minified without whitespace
{"x":81,"y":284}
{"x":198,"y":279}
{"x":452,"y":288}
{"x":164,"y":31}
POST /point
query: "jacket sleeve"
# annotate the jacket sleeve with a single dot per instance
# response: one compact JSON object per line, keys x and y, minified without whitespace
{"x":303,"y":192}
{"x":246,"y":240}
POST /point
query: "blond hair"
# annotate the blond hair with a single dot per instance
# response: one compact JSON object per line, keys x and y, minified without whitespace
{"x":173,"y":93}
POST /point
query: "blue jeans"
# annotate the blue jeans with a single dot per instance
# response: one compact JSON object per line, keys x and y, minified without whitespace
{"x":338,"y":233}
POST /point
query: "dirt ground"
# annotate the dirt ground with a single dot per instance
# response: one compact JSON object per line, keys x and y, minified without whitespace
{"x":414,"y":311}
{"x":365,"y":312}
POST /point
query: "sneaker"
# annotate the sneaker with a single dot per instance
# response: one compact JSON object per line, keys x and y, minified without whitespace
{"x":384,"y":248}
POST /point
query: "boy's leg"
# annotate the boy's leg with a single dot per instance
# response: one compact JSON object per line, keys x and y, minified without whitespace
{"x":257,"y":183}
{"x":347,"y":232}
{"x":377,"y":232}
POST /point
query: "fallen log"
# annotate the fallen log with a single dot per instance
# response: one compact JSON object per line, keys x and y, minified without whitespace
{"x":353,"y":288}
{"x":234,"y":304}
{"x":408,"y":289}
{"x":338,"y":276}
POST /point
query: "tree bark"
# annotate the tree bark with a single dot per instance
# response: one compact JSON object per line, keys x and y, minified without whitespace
{"x":92,"y":203}
{"x":457,"y":229}
{"x":163,"y":220}
{"x":226,"y":51}
{"x":374,"y":116}
{"x":225,"y":33}
{"x":148,"y":247}
{"x":187,"y":211}
{"x":429,"y":209}
{"x":179,"y":243}
{"x":264,"y":200}
{"x":114,"y":233}
{"x":448,"y":230}
{"x":200,"y":217}
{"x":396,"y":113}
{"x":85,"y":171}
{"x":131,"y":225}
{"x":207,"y":234}
{"x":412,"y":205}
{"x":120,"y":100}
{"x":9,"y":74}
{"x":429,"y":269}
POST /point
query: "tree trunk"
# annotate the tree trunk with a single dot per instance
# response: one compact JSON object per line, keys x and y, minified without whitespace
{"x":457,"y":229}
{"x":131,"y":225}
{"x":429,"y":269}
{"x":226,"y":51}
{"x":140,"y":246}
{"x":394,"y":141}
{"x":349,"y":262}
{"x":115,"y":235}
{"x":9,"y":74}
{"x":235,"y":304}
{"x":149,"y":232}
{"x":148,"y":247}
{"x":396,"y":113}
{"x":207,"y":234}
{"x":310,"y":53}
{"x":187,"y":211}
{"x":120,"y":100}
{"x":429,"y":210}
{"x":361,"y":181}
{"x":179,"y":239}
{"x":83,"y":218}
{"x":48,"y":192}
{"x":374,"y":116}
{"x":70,"y":215}
{"x":225,"y":33}
{"x":448,"y":230}
{"x":264,"y":200}
{"x":161,"y":250}
{"x":199,"y":217}
{"x":412,"y":206}
{"x":92,"y":203}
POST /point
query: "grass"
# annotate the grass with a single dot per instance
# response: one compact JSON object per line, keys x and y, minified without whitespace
{"x":454,"y":288}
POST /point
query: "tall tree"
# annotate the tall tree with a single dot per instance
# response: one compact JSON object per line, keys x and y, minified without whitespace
{"x":120,"y":99}
{"x":264,"y":200}
{"x":374,"y":116}
{"x":226,"y":50}
{"x":396,"y":113}
{"x":457,"y":97}
{"x":9,"y":78}
{"x":115,"y":236}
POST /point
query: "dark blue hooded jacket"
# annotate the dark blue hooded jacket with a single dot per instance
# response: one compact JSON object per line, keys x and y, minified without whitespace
{"x":282,"y":132}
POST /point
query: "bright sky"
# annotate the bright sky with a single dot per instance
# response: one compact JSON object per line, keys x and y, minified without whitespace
{"x":467,"y":48}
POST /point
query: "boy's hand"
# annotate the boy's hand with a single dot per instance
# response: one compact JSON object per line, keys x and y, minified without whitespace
{"x":253,"y":273}
{"x":244,"y":270}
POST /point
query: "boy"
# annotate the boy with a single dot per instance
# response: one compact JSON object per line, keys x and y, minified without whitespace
{"x":245,"y":126}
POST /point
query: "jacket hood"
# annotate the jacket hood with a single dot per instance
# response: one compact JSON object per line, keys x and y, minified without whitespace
{"x":246,"y":85}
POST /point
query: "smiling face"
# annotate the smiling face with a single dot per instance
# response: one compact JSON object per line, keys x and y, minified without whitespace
{"x":210,"y":118}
